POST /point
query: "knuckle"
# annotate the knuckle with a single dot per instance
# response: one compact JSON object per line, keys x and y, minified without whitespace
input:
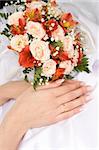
{"x":70,"y":105}
{"x":83,"y":89}
{"x":76,"y":85}
{"x":79,"y":101}
{"x":75,"y":103}
{"x":69,"y":86}
{"x":83,"y":99}
{"x":52,"y":95}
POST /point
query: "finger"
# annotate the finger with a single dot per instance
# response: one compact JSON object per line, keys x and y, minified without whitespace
{"x":74,"y":81}
{"x":74,"y":94}
{"x":68,"y":114}
{"x":65,"y":88}
{"x":51,"y":85}
{"x":74,"y":104}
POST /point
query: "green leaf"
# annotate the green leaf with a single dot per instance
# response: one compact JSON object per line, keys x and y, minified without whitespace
{"x":27,"y":70}
{"x":57,"y":44}
{"x":4,"y":15}
{"x":83,"y":66}
{"x":26,"y":78}
{"x":8,"y":26}
{"x":6,"y":32}
{"x":68,"y":77}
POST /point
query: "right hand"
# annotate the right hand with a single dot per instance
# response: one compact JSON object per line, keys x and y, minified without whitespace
{"x":51,"y":104}
{"x":48,"y":105}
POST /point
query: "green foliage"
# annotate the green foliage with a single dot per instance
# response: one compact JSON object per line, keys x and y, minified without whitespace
{"x":68,"y":77}
{"x":4,"y":15}
{"x":57,"y":44}
{"x":83,"y":66}
{"x":6,"y":32}
{"x":26,"y":78}
{"x":27,"y":70}
{"x":37,"y":77}
{"x":30,"y":36}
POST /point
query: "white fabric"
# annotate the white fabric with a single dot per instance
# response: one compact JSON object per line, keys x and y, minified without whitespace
{"x":77,"y":133}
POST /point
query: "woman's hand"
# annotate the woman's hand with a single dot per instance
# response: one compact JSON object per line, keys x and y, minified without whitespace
{"x":41,"y":108}
{"x":12,"y":90}
{"x":48,"y":106}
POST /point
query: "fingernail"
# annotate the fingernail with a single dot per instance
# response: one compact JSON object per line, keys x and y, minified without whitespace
{"x":89,"y":98}
{"x":89,"y":89}
{"x":82,"y":83}
{"x":60,"y":81}
{"x":82,"y":108}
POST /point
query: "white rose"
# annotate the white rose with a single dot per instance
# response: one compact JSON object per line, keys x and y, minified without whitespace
{"x":67,"y":65}
{"x":18,"y":42}
{"x":58,"y":34}
{"x":68,"y":46}
{"x":14,"y":18}
{"x":34,"y":5}
{"x":49,"y":68}
{"x":40,"y":50}
{"x":35,"y":29}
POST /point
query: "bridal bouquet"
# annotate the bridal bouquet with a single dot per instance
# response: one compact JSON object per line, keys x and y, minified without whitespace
{"x":48,"y":41}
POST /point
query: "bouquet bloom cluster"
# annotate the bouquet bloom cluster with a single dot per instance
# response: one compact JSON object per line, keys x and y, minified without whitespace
{"x":47,"y":40}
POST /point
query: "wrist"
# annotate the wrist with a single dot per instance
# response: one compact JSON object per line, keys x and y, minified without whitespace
{"x":11,"y":132}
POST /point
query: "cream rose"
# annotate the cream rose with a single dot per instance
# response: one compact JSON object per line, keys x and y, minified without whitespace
{"x":14,"y":18}
{"x":67,"y":65}
{"x":40,"y":50}
{"x":18,"y":42}
{"x":35,"y":29}
{"x":58,"y":34}
{"x":35,"y":4}
{"x":49,"y":68}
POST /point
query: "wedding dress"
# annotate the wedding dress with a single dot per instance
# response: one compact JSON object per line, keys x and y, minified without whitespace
{"x":76,"y":133}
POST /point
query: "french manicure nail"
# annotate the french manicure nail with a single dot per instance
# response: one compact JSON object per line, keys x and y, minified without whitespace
{"x":89,"y":98}
{"x":82,"y":83}
{"x":89,"y":89}
{"x":82,"y":108}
